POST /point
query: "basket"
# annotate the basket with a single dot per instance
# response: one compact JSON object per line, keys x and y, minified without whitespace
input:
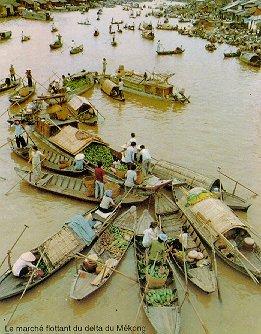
{"x":64,"y":164}
{"x":89,"y":183}
{"x":154,"y":282}
{"x":114,"y":187}
{"x":139,"y":177}
{"x":120,"y":173}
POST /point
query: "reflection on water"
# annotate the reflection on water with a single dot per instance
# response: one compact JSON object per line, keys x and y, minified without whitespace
{"x":220,"y":127}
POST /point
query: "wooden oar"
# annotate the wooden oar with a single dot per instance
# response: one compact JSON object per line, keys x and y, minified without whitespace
{"x":215,"y":268}
{"x":186,"y":291}
{"x":25,"y":227}
{"x":8,"y":141}
{"x":26,"y":287}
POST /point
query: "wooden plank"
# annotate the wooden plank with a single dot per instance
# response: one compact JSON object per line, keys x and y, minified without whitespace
{"x":78,"y":184}
{"x":44,"y":180}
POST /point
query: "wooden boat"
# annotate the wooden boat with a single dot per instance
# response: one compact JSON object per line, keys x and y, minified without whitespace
{"x":114,"y":43}
{"x":86,"y":23}
{"x":116,"y":22}
{"x":184,"y":176}
{"x":39,"y":15}
{"x":76,"y":49}
{"x":171,"y":52}
{"x":79,"y":83}
{"x":232,"y":54}
{"x":172,"y":220}
{"x":75,"y":188}
{"x":166,"y":26}
{"x":22,"y":94}
{"x":56,"y":251}
{"x":82,"y":110}
{"x":252,"y":59}
{"x":220,"y":228}
{"x":96,"y":33}
{"x":148,"y":34}
{"x":5,"y":35}
{"x":7,"y":84}
{"x":109,"y":249}
{"x":56,"y":45}
{"x":55,"y":161}
{"x":111,"y":89}
{"x":165,"y":317}
{"x":25,"y":38}
{"x":54,"y":29}
{"x":156,"y":86}
{"x":210,"y":47}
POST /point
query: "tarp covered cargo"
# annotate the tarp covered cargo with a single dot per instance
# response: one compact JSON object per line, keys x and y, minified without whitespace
{"x":73,"y":141}
{"x":218,"y":215}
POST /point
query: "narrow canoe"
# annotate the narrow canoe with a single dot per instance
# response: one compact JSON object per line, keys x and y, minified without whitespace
{"x":19,"y":97}
{"x":72,"y":187}
{"x":77,"y":49}
{"x":57,"y":251}
{"x":110,"y":249}
{"x":184,"y":176}
{"x":170,"y":52}
{"x":4,"y":86}
{"x":164,"y":318}
{"x":172,"y":219}
{"x":220,"y":228}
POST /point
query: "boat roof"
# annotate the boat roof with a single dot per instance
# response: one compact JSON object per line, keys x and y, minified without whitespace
{"x":220,"y":217}
{"x":107,"y":86}
{"x":67,"y":139}
{"x":249,"y":56}
{"x":77,"y":101}
{"x":144,"y":222}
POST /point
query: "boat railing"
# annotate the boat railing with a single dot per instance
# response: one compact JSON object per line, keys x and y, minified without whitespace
{"x":236,"y":183}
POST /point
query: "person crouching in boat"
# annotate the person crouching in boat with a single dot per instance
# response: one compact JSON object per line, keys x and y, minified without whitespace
{"x":157,"y":252}
{"x":35,"y":157}
{"x":78,"y":163}
{"x":107,"y":204}
{"x":131,"y":177}
{"x":24,"y":265}
{"x":150,"y":234}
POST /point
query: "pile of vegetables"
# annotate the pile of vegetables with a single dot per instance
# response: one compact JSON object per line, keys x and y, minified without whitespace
{"x":158,"y":271}
{"x":122,"y":168}
{"x":163,"y":296}
{"x":120,"y":244}
{"x":78,"y":84}
{"x":43,"y":267}
{"x":97,"y":152}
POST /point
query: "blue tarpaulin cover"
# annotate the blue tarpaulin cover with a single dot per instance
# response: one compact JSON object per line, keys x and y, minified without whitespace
{"x":82,"y":227}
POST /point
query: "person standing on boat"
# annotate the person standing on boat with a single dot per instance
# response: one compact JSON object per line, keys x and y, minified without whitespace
{"x":12,"y":73}
{"x":158,"y":46}
{"x":150,"y":234}
{"x":104,"y":64}
{"x":146,"y":160}
{"x":99,"y":180}
{"x":19,"y":138}
{"x":35,"y":157}
{"x":28,"y":74}
{"x":131,"y":177}
{"x":107,"y":204}
{"x":121,"y":88}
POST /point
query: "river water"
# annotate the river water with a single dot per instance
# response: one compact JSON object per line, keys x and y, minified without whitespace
{"x":220,"y":127}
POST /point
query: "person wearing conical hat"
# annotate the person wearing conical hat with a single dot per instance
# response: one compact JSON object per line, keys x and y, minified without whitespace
{"x":79,"y":161}
{"x":22,"y":266}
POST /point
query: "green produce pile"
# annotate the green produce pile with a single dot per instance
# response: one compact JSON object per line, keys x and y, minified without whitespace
{"x":122,"y":168}
{"x":97,"y":152}
{"x":119,"y":240}
{"x":163,"y":296}
{"x":43,"y":267}
{"x":158,"y":271}
{"x":78,"y":84}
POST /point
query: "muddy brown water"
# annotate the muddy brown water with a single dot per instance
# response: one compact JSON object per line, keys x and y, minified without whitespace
{"x":220,"y":127}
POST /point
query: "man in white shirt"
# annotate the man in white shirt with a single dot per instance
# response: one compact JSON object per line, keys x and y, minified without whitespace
{"x":129,"y":157}
{"x":22,"y":265}
{"x":131,"y":177}
{"x":146,"y":160}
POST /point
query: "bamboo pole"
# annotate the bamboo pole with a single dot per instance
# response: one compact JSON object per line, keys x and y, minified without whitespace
{"x":215,"y":268}
{"x":16,"y":241}
{"x":9,"y":140}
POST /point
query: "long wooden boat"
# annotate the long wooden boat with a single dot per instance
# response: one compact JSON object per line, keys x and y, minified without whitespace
{"x":184,"y":176}
{"x":22,"y":94}
{"x":57,"y":251}
{"x":164,"y":316}
{"x":232,"y":54}
{"x":39,"y":15}
{"x":172,"y":220}
{"x":55,"y":45}
{"x":249,"y":58}
{"x":171,"y":52}
{"x":74,"y":187}
{"x":219,"y":227}
{"x":55,"y":161}
{"x":76,"y":49}
{"x":9,"y":84}
{"x":111,"y":89}
{"x":5,"y":35}
{"x":109,"y":249}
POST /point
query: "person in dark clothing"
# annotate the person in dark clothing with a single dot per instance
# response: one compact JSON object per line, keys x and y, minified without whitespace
{"x":28,"y":74}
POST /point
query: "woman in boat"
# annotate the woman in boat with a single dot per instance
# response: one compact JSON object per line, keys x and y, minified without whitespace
{"x":131,"y":177}
{"x":79,"y":162}
{"x":107,"y":204}
{"x":24,"y":264}
{"x":12,"y":73}
{"x":99,"y":180}
{"x":19,"y":138}
{"x":35,"y":157}
{"x":157,"y":251}
{"x":150,"y":234}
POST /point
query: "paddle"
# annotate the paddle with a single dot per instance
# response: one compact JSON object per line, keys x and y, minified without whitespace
{"x":215,"y":268}
{"x":25,"y":227}
{"x":7,"y":142}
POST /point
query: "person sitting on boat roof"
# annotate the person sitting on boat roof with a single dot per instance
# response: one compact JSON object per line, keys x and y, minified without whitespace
{"x":99,"y":180}
{"x":157,"y":251}
{"x":150,"y":234}
{"x":12,"y":73}
{"x":146,"y":160}
{"x":19,"y":130}
{"x":23,"y":265}
{"x":107,"y":204}
{"x":131,"y":177}
{"x":79,"y":162}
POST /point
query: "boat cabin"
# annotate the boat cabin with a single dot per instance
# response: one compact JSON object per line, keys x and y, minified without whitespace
{"x":50,"y":127}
